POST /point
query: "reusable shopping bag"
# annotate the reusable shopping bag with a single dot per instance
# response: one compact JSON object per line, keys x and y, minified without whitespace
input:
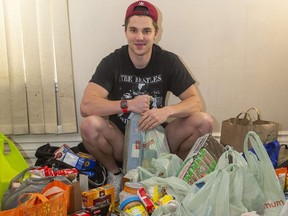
{"x":11,"y":163}
{"x":58,"y":187}
{"x":12,"y":212}
{"x":28,"y":185}
{"x":264,"y":172}
{"x":53,"y":200}
{"x":234,"y":130}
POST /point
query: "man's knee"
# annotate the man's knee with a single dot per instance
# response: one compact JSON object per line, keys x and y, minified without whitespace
{"x":203,"y":122}
{"x":91,"y":126}
{"x":207,"y":123}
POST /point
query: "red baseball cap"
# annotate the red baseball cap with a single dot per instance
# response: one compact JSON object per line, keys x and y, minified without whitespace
{"x":151,"y":10}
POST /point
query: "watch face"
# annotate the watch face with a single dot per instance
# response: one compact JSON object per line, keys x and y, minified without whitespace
{"x":123,"y":104}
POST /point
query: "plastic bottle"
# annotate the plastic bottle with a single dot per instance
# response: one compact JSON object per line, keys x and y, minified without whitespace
{"x":129,"y":190}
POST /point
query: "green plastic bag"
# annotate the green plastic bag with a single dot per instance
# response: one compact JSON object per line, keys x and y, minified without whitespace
{"x":245,"y":192}
{"x":264,"y":172}
{"x":208,"y":196}
{"x":231,"y":189}
{"x":11,"y":163}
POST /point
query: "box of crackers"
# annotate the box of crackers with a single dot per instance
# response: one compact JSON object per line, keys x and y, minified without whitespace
{"x":100,"y":196}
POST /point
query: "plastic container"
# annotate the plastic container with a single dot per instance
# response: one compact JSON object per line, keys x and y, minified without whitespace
{"x":129,"y":190}
{"x":132,"y":206}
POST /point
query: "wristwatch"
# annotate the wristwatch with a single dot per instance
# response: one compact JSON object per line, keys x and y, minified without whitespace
{"x":124,"y":106}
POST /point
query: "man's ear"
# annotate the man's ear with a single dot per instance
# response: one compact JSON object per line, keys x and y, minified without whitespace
{"x":156,"y":35}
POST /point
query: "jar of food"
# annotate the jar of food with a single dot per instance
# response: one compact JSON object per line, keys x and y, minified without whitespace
{"x":129,"y":190}
{"x":133,"y":206}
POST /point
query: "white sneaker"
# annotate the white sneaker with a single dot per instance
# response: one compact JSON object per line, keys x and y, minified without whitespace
{"x":116,"y":181}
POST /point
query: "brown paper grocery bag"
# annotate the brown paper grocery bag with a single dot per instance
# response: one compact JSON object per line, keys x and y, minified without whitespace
{"x":234,"y":130}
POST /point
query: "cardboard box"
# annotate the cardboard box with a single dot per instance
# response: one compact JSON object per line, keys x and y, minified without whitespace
{"x":61,"y":151}
{"x":73,"y":160}
{"x":99,"y":210}
{"x":201,"y":160}
{"x":75,"y":198}
{"x":80,"y":161}
{"x":99,"y":196}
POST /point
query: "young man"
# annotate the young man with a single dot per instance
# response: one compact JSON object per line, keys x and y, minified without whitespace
{"x":127,"y":81}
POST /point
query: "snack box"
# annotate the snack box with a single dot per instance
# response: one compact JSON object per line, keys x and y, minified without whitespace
{"x":61,"y":151}
{"x":89,"y":164}
{"x":80,"y":161}
{"x":98,"y":210}
{"x":74,"y":160}
{"x":99,"y":196}
{"x":85,"y":155}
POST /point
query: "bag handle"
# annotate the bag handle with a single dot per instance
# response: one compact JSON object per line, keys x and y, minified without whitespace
{"x":256,"y":110}
{"x":32,"y":198}
{"x":21,"y":175}
{"x":54,"y":188}
{"x":246,"y":117}
{"x":258,"y":147}
{"x":263,"y":168}
{"x":284,"y":145}
{"x":230,"y":156}
{"x":11,"y":145}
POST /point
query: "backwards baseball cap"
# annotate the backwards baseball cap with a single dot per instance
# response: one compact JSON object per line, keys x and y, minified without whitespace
{"x":136,"y":8}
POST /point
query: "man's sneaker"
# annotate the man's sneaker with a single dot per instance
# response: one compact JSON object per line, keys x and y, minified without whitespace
{"x":116,"y":181}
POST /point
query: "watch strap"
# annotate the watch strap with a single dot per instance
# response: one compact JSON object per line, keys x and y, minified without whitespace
{"x":124,"y":106}
{"x":124,"y":110}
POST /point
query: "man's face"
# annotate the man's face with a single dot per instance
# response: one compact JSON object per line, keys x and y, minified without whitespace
{"x":140,"y":35}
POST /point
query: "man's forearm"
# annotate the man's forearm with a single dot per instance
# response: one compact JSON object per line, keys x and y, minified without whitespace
{"x":184,"y":108}
{"x":100,"y":107}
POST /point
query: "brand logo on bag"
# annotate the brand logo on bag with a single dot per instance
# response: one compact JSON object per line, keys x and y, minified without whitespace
{"x":274,"y":204}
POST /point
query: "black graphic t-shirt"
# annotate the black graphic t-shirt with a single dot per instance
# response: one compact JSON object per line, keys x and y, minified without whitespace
{"x":117,"y":74}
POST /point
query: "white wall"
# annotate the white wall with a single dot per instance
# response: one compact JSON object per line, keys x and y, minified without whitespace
{"x":237,"y":50}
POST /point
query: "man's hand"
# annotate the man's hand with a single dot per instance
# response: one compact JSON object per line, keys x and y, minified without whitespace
{"x":139,"y":104}
{"x":151,"y":119}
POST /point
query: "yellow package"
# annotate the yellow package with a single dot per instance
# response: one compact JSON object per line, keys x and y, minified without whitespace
{"x":99,"y":196}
